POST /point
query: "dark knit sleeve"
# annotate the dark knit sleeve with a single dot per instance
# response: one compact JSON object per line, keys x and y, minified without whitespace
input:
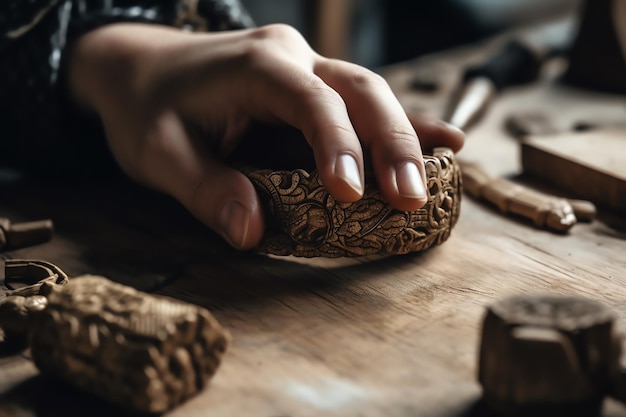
{"x":40,"y":130}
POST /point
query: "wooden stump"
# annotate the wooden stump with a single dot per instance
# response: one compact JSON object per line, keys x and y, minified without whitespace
{"x":546,"y":355}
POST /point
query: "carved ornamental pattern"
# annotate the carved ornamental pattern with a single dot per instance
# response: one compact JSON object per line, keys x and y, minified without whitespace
{"x":305,"y":220}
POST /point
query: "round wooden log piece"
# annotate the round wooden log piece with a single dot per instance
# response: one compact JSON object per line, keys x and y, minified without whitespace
{"x":546,"y":356}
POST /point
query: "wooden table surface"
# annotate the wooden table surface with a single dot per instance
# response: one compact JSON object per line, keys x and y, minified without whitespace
{"x":350,"y":337}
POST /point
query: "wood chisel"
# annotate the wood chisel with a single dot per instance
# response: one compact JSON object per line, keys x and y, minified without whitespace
{"x":514,"y":64}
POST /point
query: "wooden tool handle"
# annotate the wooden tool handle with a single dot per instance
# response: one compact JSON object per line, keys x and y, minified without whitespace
{"x":547,"y":211}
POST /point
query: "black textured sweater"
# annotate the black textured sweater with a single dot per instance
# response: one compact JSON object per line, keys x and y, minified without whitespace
{"x":39,"y":128}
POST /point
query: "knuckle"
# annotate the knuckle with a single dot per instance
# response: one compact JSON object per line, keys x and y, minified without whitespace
{"x":313,"y":89}
{"x":257,"y":53}
{"x":278,"y":32}
{"x":364,"y":78}
{"x":320,"y":138}
{"x":403,"y":138}
{"x":400,"y":144}
{"x":270,"y":42}
{"x":308,"y":103}
{"x":326,"y":95}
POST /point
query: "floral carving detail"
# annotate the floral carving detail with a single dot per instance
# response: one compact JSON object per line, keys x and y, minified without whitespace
{"x":305,"y":220}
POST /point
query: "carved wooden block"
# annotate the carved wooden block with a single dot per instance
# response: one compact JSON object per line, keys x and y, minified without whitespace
{"x":590,"y":165}
{"x":546,"y":356}
{"x":142,"y":352}
{"x":305,"y":220}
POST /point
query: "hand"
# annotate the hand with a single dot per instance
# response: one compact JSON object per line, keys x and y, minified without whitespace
{"x":174,"y":103}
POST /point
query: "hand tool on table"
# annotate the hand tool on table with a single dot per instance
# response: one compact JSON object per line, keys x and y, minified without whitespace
{"x":514,"y":64}
{"x":518,"y":61}
{"x":554,"y":213}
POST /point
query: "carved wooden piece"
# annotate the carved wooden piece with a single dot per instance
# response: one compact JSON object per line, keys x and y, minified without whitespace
{"x":545,"y":211}
{"x":18,"y":305}
{"x":307,"y":221}
{"x":142,"y":352}
{"x":546,"y":355}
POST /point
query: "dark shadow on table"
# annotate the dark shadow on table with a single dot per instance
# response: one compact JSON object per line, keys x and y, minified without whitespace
{"x":49,"y":397}
{"x":148,"y":240}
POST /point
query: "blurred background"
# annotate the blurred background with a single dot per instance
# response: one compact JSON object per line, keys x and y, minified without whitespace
{"x":380,"y":32}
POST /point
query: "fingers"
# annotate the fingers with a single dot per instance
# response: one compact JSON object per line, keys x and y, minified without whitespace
{"x":344,"y":106}
{"x":434,"y":132}
{"x":293,"y":95}
{"x":227,"y":202}
{"x":270,"y":79}
{"x":219,"y":196}
{"x":383,"y":128}
{"x":340,"y":108}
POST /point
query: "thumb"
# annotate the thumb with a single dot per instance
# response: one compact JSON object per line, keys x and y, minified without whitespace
{"x":220,"y":197}
{"x":226,"y":201}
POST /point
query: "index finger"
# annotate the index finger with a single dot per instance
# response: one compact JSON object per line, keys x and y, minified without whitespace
{"x":293,"y":95}
{"x":383,"y":128}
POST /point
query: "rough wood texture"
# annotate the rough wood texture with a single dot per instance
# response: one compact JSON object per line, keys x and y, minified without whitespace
{"x":546,"y":355}
{"x":590,"y":165}
{"x":144,"y":353}
{"x":306,"y":221}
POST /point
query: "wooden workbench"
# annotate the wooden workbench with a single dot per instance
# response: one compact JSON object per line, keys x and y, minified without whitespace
{"x":354,"y":337}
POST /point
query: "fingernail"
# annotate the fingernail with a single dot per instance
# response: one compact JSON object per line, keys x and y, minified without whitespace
{"x":235,"y":219}
{"x":409,"y":181}
{"x":347,"y":169}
